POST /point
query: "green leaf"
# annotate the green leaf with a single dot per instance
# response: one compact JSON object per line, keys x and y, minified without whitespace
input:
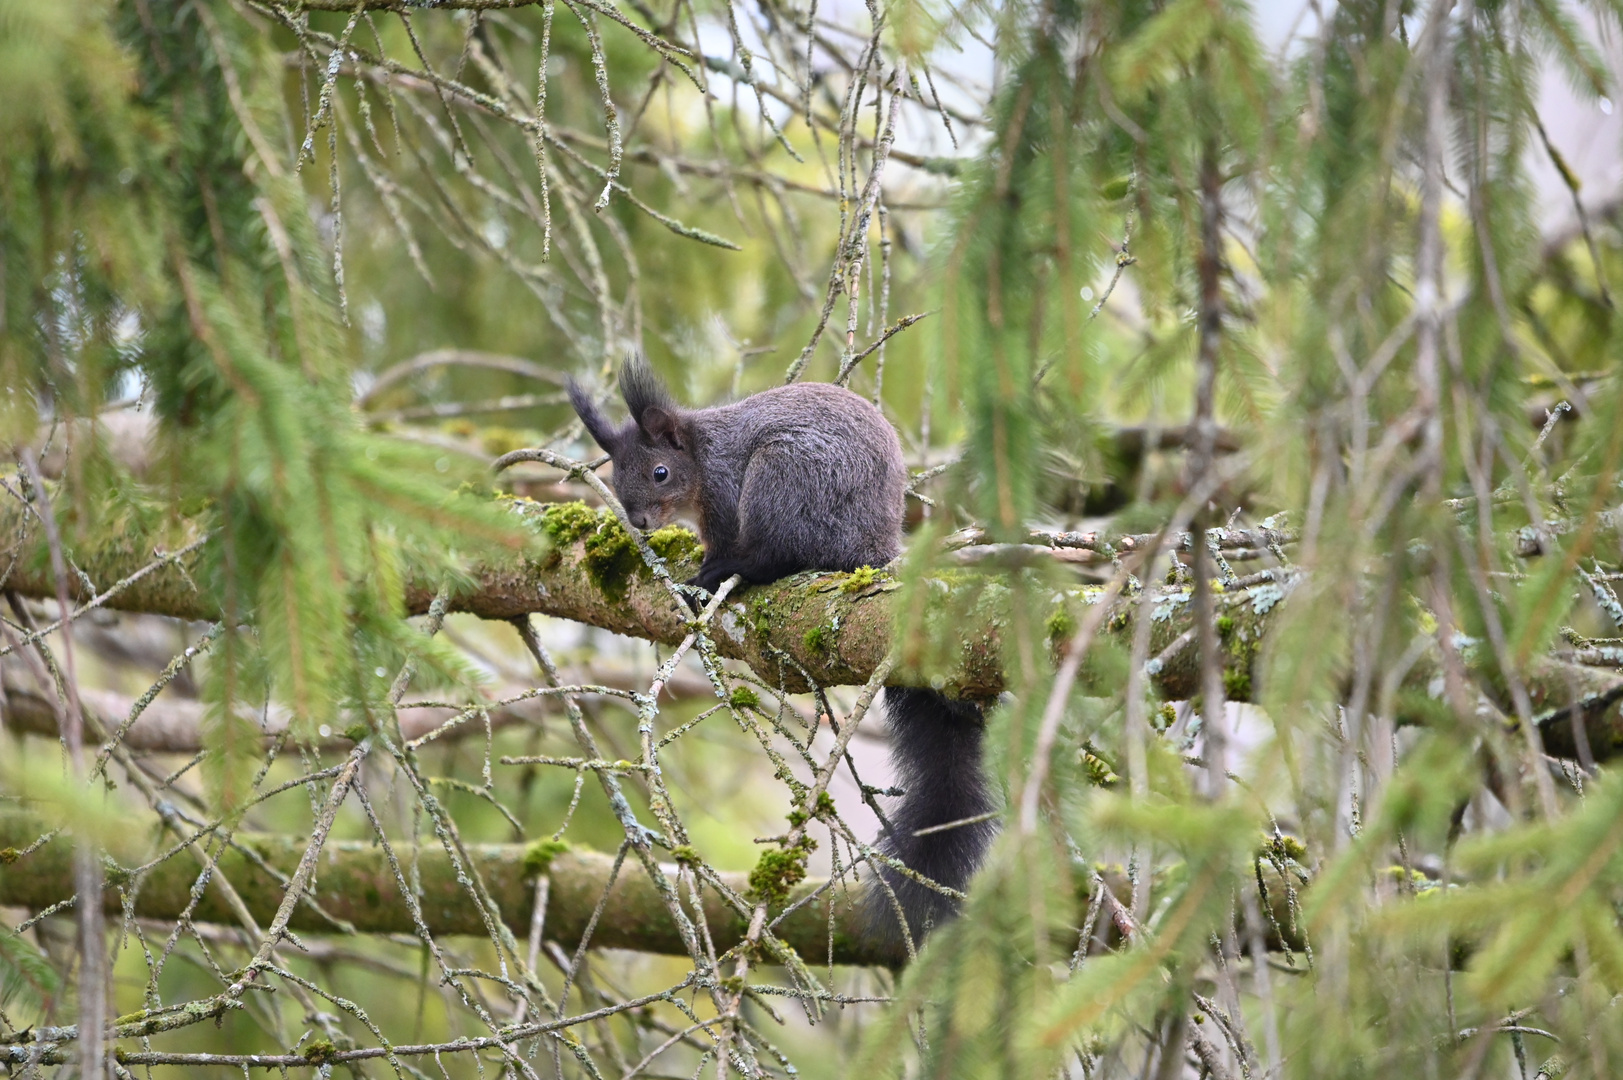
{"x":26,"y":975}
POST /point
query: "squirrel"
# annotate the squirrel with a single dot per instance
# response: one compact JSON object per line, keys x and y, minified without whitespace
{"x":810,"y":476}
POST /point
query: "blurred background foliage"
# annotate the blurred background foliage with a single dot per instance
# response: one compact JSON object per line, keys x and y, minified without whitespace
{"x":279,"y":278}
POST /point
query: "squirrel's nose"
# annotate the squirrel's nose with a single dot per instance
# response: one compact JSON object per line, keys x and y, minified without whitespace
{"x":639,"y":519}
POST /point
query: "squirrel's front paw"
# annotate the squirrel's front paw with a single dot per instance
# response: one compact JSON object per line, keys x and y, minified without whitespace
{"x":696,"y":592}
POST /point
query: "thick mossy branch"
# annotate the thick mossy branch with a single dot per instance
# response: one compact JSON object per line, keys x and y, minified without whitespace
{"x":831,"y":628}
{"x":357,"y":885}
{"x":583,"y":567}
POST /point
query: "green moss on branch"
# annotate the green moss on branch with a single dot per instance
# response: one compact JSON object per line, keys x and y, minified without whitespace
{"x":835,"y":628}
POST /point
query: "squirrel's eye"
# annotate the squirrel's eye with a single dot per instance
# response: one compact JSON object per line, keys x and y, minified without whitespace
{"x":661,"y":474}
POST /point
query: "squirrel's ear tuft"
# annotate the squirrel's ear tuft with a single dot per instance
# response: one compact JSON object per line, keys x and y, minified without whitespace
{"x":661,"y":426}
{"x":642,"y":389}
{"x":597,"y":425}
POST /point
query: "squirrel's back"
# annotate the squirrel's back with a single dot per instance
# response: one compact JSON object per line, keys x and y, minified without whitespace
{"x":810,"y":475}
{"x":829,"y":421}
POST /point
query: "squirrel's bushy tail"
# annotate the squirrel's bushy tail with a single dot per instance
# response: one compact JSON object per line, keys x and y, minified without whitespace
{"x":936,"y":750}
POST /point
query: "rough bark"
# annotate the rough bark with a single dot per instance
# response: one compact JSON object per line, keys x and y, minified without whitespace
{"x":173,"y":724}
{"x":832,"y":628}
{"x":357,"y":885}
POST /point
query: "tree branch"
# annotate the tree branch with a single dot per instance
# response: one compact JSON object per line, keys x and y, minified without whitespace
{"x":834,"y":628}
{"x":173,"y":724}
{"x":357,"y":884}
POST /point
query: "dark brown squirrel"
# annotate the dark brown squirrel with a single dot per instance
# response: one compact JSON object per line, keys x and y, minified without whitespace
{"x":810,"y":476}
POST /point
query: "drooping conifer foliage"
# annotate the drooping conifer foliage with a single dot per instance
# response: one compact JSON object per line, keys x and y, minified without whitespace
{"x":1259,"y":379}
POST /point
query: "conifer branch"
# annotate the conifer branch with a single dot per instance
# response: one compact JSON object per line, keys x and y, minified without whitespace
{"x":358,"y":886}
{"x":832,"y":628}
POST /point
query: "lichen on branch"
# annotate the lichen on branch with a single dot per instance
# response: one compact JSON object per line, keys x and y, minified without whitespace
{"x":822,"y":628}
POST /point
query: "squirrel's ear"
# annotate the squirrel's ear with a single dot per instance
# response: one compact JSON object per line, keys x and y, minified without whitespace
{"x":597,"y":425}
{"x":660,"y":425}
{"x":641,"y":388}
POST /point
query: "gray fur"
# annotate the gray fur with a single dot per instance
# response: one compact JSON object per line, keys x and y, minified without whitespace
{"x":808,"y":476}
{"x":641,"y":387}
{"x":805,"y":476}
